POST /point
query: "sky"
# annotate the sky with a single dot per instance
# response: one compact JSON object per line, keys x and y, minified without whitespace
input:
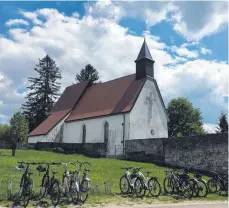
{"x":187,"y":40}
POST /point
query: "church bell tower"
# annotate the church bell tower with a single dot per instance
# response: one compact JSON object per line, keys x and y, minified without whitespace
{"x":144,"y":63}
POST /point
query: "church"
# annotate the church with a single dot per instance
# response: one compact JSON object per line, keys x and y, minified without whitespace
{"x":126,"y":108}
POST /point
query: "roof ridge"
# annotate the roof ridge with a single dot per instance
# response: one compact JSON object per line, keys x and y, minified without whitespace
{"x":117,"y":78}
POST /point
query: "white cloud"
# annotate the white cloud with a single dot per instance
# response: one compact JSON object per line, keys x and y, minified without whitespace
{"x":16,"y":22}
{"x":205,"y":51}
{"x":74,"y":42}
{"x":210,"y":128}
{"x":182,"y":51}
{"x":193,"y":19}
{"x":31,"y":16}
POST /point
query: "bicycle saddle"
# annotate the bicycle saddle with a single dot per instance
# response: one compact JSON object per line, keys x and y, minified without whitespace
{"x":54,"y":172}
{"x":87,"y":169}
{"x":148,"y":172}
{"x":30,"y":172}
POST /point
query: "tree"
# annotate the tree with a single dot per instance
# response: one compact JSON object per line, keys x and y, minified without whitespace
{"x":89,"y":73}
{"x":43,"y":92}
{"x":223,"y":124}
{"x":4,"y":133}
{"x":19,"y":128}
{"x":185,"y":120}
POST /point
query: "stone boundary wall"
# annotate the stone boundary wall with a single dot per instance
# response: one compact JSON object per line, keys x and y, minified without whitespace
{"x":89,"y":149}
{"x":203,"y":153}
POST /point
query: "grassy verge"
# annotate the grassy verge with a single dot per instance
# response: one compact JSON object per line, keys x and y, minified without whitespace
{"x":102,"y":170}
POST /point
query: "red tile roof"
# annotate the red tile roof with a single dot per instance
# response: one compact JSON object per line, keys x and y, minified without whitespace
{"x":115,"y":96}
{"x":49,"y":123}
{"x":62,"y":107}
{"x":69,"y":97}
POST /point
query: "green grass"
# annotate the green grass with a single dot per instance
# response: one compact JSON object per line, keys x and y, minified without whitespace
{"x":101,"y":170}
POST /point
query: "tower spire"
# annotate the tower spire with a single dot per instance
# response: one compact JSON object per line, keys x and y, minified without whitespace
{"x":144,"y":62}
{"x":144,"y":52}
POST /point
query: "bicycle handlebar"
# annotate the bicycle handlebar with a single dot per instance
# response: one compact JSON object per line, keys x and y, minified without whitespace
{"x":126,"y":168}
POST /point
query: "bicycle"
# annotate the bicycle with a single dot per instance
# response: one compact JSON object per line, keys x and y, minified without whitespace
{"x":126,"y":182}
{"x":218,"y":183}
{"x":178,"y":183}
{"x":26,"y":184}
{"x":200,"y":187}
{"x":50,"y":185}
{"x":151,"y":184}
{"x":69,"y":183}
{"x":85,"y":183}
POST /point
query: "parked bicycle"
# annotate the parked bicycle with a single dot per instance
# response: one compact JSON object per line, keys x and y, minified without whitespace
{"x":151,"y":184}
{"x":218,"y":183}
{"x":49,"y":185}
{"x":199,"y":185}
{"x":26,"y":184}
{"x":85,"y":183}
{"x":69,"y":183}
{"x":127,"y":181}
{"x":177,"y":183}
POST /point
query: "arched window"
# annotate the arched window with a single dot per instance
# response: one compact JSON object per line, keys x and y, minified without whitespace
{"x":84,"y":134}
{"x":106,"y":132}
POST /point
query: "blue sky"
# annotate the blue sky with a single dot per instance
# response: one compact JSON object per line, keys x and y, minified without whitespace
{"x":191,"y":52}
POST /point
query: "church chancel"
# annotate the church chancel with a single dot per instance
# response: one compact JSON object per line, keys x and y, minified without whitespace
{"x":88,"y":113}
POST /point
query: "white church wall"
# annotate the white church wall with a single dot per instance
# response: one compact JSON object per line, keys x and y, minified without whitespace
{"x":53,"y":136}
{"x":35,"y":139}
{"x":148,"y":118}
{"x":73,"y":132}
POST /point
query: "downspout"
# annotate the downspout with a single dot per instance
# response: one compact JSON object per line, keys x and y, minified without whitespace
{"x":123,"y":139}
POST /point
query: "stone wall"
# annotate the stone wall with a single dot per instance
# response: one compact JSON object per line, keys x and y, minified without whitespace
{"x":208,"y":152}
{"x":203,"y":153}
{"x":151,"y":150}
{"x":89,"y":149}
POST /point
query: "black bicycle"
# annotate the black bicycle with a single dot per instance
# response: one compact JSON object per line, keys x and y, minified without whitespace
{"x":218,"y":183}
{"x":26,"y":184}
{"x":49,"y":185}
{"x":175,"y":182}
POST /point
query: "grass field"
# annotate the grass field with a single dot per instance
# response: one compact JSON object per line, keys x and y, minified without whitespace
{"x":102,"y":170}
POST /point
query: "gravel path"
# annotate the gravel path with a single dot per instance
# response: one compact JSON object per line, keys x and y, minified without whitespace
{"x":180,"y":205}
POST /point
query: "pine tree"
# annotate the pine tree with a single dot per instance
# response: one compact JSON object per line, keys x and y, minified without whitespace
{"x":43,"y":92}
{"x":223,"y":124}
{"x":89,"y":73}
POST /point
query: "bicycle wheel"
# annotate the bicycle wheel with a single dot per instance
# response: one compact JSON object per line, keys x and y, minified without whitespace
{"x":195,"y":187}
{"x":212,"y":186}
{"x":26,"y":193}
{"x":154,"y":187}
{"x":139,"y":187}
{"x":203,"y":188}
{"x":186,"y":189}
{"x":124,"y":185}
{"x":44,"y":186}
{"x":168,"y":185}
{"x":74,"y":191}
{"x":55,"y":193}
{"x":84,"y":189}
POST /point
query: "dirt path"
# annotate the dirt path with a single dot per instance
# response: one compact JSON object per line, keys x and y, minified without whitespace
{"x":177,"y":205}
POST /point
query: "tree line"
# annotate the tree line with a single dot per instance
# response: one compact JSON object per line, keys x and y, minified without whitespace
{"x":44,"y":90}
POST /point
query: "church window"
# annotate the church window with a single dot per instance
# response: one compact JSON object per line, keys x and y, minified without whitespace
{"x":84,"y":134}
{"x":106,"y":132}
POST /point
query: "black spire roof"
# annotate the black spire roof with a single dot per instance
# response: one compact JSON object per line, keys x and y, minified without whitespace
{"x":144,"y":52}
